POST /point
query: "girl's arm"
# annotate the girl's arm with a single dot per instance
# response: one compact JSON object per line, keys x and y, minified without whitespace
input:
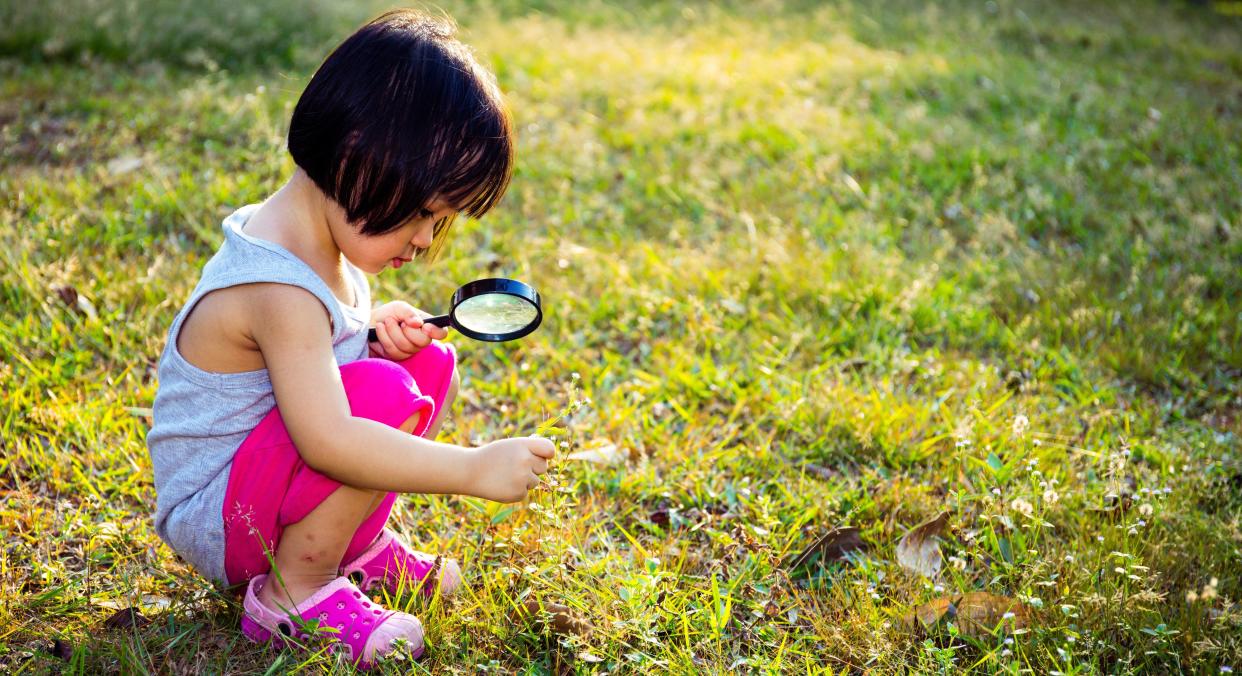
{"x":292,"y":329}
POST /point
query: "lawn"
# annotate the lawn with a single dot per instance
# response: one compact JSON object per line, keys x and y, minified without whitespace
{"x":806,"y":267}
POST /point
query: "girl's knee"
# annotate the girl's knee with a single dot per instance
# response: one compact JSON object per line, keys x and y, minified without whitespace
{"x":379,"y":390}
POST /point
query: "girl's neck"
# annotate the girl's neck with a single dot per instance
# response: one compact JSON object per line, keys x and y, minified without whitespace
{"x":296,"y":217}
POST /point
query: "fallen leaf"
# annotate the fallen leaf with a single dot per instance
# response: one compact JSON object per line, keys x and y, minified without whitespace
{"x":976,"y":614}
{"x":919,"y":549}
{"x":126,"y":618}
{"x":557,"y":615}
{"x":826,"y":473}
{"x":70,"y":296}
{"x":61,"y":649}
{"x":123,"y":165}
{"x":831,"y":546}
{"x":605,"y":453}
{"x":590,"y":657}
{"x":146,"y":601}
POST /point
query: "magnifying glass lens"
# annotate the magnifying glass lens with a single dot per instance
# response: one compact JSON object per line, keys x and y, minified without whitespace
{"x":495,"y":313}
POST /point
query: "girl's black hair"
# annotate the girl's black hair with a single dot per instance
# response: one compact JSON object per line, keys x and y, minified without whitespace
{"x":400,"y":113}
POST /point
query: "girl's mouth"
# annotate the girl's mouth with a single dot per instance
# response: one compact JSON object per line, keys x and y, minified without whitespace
{"x":398,"y":262}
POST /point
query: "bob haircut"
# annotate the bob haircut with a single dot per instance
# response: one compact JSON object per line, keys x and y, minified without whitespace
{"x":399,"y":114}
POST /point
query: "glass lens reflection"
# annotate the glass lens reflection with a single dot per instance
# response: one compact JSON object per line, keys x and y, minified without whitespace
{"x":495,"y":313}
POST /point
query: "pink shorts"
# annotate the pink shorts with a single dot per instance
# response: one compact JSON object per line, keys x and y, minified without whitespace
{"x":270,"y":487}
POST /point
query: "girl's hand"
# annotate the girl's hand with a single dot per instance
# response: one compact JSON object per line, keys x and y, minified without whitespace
{"x":507,"y":468}
{"x":401,"y":331}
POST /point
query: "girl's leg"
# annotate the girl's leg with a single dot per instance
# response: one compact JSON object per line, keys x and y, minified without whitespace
{"x":271,"y":490}
{"x":310,"y":550}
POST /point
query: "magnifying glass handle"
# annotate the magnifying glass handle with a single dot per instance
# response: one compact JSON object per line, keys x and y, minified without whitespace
{"x":438,"y":320}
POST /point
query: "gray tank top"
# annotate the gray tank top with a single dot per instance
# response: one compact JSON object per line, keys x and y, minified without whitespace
{"x":201,"y":418}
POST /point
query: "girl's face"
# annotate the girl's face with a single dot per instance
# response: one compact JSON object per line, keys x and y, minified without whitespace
{"x":372,"y":253}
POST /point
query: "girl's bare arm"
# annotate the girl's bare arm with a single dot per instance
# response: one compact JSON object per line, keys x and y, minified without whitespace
{"x":292,"y":329}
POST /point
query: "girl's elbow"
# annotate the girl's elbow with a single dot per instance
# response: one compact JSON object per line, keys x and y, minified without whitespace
{"x":319,"y":451}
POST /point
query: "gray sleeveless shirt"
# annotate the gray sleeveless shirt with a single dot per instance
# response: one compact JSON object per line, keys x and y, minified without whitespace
{"x":201,"y":418}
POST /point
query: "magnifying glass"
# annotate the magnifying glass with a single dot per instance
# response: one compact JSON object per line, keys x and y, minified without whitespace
{"x":494,"y":309}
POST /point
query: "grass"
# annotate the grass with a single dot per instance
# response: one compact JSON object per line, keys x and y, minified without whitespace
{"x":813,"y":266}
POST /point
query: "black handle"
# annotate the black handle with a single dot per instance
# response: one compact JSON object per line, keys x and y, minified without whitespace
{"x":438,"y":320}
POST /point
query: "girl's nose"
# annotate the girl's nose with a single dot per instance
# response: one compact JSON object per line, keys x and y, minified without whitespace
{"x":422,"y":239}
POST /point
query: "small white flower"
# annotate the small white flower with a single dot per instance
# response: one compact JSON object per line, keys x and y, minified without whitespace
{"x":1191,"y":596}
{"x":1022,"y":507}
{"x":1051,"y":497}
{"x":1145,"y":509}
{"x":1020,"y":425}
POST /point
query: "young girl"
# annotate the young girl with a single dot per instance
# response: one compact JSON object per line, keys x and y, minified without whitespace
{"x":281,"y":437}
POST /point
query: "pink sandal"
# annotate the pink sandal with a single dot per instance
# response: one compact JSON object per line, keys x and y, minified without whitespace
{"x":365,"y":630}
{"x":388,"y":559}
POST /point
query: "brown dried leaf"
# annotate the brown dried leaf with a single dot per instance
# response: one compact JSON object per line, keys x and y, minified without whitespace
{"x":61,"y":649}
{"x":919,"y":550}
{"x":76,"y":301}
{"x":126,"y":618}
{"x":831,"y":546}
{"x":977,"y":614}
{"x":558,"y":616}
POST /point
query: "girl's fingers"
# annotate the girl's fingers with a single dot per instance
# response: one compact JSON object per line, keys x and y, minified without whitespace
{"x":398,"y":336}
{"x":381,"y":332}
{"x":417,"y":337}
{"x":541,"y":466}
